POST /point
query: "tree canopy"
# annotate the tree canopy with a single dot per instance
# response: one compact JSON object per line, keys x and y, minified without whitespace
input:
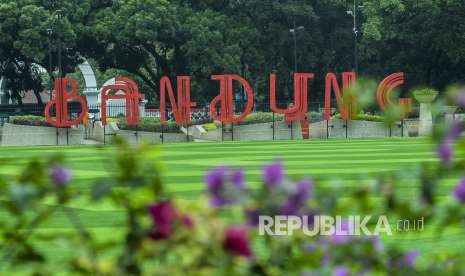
{"x":148,"y":39}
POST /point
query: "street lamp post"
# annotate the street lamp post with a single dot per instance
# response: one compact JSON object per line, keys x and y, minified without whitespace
{"x":294,"y":35}
{"x":353,"y":12}
{"x":50,"y":69}
{"x":60,"y":68}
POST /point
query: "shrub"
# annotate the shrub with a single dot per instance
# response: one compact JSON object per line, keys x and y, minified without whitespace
{"x":211,"y":126}
{"x":363,"y":117}
{"x":369,"y":117}
{"x":261,"y":117}
{"x":425,"y":95}
{"x":29,"y":120}
{"x":150,"y":124}
{"x":257,"y":118}
{"x":314,"y":114}
{"x":202,"y":121}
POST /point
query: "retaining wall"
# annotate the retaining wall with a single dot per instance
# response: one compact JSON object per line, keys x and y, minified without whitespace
{"x":335,"y":129}
{"x":133,"y":137}
{"x":20,"y":135}
{"x":254,"y":132}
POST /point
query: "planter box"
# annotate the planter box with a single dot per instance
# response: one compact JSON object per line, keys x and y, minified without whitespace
{"x":254,"y":132}
{"x":98,"y":131}
{"x":362,"y":129}
{"x":21,"y":135}
{"x":412,"y":126}
{"x":264,"y":131}
{"x":134,"y":137}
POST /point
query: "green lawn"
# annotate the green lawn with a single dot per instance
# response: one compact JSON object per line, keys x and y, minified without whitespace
{"x":185,"y":164}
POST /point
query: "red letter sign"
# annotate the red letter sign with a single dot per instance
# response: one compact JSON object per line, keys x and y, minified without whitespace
{"x":61,"y":103}
{"x":226,"y":99}
{"x":131,"y":95}
{"x":348,"y":80}
{"x":386,"y":87}
{"x":300,"y":107}
{"x":182,"y":109}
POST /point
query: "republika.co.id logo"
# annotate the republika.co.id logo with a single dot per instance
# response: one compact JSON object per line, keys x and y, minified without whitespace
{"x":328,"y":225}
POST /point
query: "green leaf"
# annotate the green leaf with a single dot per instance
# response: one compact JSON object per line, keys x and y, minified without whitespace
{"x":101,"y":189}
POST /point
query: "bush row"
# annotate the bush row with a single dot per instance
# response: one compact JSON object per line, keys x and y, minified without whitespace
{"x":363,"y":117}
{"x":258,"y":118}
{"x":154,"y":124}
{"x":150,"y":125}
{"x":29,"y":120}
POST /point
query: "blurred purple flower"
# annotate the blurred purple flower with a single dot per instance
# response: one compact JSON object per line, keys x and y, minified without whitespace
{"x":311,"y":247}
{"x":459,"y":191}
{"x":410,"y":258}
{"x":377,"y":243}
{"x":455,"y":129}
{"x":326,"y":258}
{"x":341,"y":271}
{"x":342,"y":234}
{"x":298,"y":198}
{"x":215,"y":178}
{"x":236,"y":241}
{"x":60,"y":175}
{"x":273,"y":174}
{"x":252,"y":217}
{"x":218,"y":180}
{"x":460,"y":99}
{"x":445,"y":151}
{"x":237,"y":179}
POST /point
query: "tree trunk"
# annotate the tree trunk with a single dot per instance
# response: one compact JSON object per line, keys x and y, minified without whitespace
{"x":38,"y":97}
{"x":17,"y":96}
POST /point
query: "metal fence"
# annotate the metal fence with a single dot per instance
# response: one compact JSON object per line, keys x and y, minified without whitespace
{"x":261,"y":124}
{"x":148,"y":111}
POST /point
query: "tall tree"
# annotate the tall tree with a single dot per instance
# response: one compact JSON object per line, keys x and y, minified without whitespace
{"x":422,"y":38}
{"x":24,"y":42}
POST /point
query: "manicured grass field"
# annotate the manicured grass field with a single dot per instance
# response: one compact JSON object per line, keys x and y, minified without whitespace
{"x":344,"y":161}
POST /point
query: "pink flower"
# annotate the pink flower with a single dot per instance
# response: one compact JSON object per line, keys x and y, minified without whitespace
{"x":187,"y":221}
{"x":164,"y":217}
{"x":236,"y":241}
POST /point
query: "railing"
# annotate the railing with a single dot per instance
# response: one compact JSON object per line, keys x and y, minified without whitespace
{"x":262,"y":122}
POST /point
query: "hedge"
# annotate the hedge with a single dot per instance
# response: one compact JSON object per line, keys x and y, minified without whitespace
{"x":267,"y":117}
{"x":150,"y":125}
{"x":261,"y":117}
{"x":363,"y":117}
{"x":29,"y":120}
{"x":257,"y":118}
